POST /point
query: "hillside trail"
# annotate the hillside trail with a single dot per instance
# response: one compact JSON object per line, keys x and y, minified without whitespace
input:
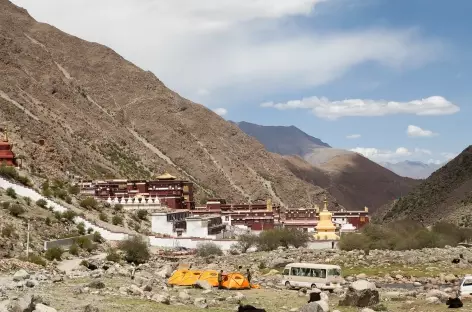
{"x":70,"y":265}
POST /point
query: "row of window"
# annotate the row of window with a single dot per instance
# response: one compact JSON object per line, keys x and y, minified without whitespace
{"x":310,"y":272}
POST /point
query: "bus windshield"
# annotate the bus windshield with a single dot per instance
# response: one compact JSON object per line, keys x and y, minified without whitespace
{"x":334,"y":272}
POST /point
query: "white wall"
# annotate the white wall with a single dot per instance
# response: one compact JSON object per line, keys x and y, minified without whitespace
{"x":196,"y":228}
{"x":160,"y":225}
{"x":27,"y":192}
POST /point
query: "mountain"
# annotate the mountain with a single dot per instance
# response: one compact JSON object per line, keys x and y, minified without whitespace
{"x":282,"y":140}
{"x":445,"y":195}
{"x":76,"y":106}
{"x":412,"y":169}
{"x":352,"y":179}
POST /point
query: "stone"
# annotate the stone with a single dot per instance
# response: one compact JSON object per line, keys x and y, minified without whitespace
{"x":31,"y":283}
{"x":184,"y":296}
{"x":441,"y":295}
{"x":433,"y":300}
{"x":96,"y":285}
{"x":161,"y":298}
{"x":21,"y":275}
{"x":165,"y":272}
{"x":313,"y":307}
{"x":43,"y":308}
{"x":360,"y":294}
{"x":367,"y":310}
{"x":90,"y":308}
{"x":134,"y":290}
{"x":201,"y":303}
{"x":361,"y":276}
{"x":203,"y":285}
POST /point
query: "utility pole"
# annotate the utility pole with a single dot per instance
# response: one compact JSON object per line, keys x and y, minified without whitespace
{"x":28,"y":240}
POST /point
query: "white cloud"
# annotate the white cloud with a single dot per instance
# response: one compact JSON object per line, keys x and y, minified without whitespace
{"x":353,"y":136}
{"x":203,"y":92}
{"x":221,"y":111}
{"x":232,"y":45}
{"x":324,"y":108}
{"x":434,"y":162}
{"x":423,"y":151}
{"x":449,"y":156}
{"x":415,"y":131}
{"x":382,"y":155}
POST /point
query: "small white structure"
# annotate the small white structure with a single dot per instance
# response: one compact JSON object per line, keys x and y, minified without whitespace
{"x":204,"y":227}
{"x":137,"y":203}
{"x":170,"y":223}
{"x":347,"y":228}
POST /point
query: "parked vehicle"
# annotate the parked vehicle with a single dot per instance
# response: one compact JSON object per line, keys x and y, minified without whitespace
{"x":312,"y":275}
{"x":466,"y":286}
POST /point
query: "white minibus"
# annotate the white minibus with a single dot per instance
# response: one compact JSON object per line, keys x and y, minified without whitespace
{"x":312,"y":275}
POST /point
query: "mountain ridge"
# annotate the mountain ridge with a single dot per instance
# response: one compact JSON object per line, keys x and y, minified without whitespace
{"x":412,"y":169}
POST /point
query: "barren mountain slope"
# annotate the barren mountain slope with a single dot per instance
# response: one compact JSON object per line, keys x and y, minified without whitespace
{"x":78,"y":106}
{"x":445,"y":195}
{"x":353,"y":180}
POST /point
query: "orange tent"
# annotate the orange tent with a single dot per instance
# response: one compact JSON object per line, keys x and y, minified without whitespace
{"x":235,"y":281}
{"x":210,"y":276}
{"x":184,"y":277}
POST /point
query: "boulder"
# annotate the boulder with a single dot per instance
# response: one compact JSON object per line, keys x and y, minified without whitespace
{"x":433,"y":300}
{"x":203,"y":285}
{"x":165,"y":272}
{"x":21,"y":275}
{"x":43,"y":308}
{"x":134,"y":290}
{"x":441,"y":295}
{"x":161,"y":298}
{"x":96,"y":285}
{"x":201,"y":303}
{"x":360,"y":294}
{"x":90,"y":308}
{"x":313,"y":307}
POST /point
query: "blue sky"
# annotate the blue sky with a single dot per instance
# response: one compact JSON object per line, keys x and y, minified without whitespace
{"x":333,"y":68}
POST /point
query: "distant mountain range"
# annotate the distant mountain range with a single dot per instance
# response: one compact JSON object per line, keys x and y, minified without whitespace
{"x":412,"y":169}
{"x":352,"y":179}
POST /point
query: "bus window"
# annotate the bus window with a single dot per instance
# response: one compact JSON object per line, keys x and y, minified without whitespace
{"x":286,"y":272}
{"x":334,"y":272}
{"x":294,"y":271}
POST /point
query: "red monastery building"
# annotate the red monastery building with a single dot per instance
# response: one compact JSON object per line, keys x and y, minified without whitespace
{"x":7,"y":156}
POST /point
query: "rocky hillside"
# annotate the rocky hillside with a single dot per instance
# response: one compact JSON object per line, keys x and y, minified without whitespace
{"x":352,"y":179}
{"x":445,"y":195}
{"x":283,"y":140}
{"x":77,"y":106}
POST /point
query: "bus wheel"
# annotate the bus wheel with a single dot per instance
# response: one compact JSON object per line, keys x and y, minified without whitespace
{"x":313,"y":286}
{"x":287,"y":285}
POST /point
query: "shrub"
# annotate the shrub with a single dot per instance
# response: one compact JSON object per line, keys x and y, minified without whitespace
{"x":58,"y":215}
{"x":118,"y":207}
{"x":27,"y":200}
{"x":42,"y":203}
{"x":74,"y":249}
{"x":208,"y":249}
{"x":103,"y":216}
{"x":54,"y":253}
{"x":246,"y":241}
{"x":272,"y":239}
{"x":74,"y":189}
{"x":136,"y":250}
{"x":89,"y":203}
{"x":47,"y":221}
{"x":85,"y":243}
{"x":16,"y":210}
{"x":36,"y":259}
{"x":6,"y":205}
{"x":8,"y":231}
{"x":142,"y":214}
{"x":117,"y":220}
{"x":112,"y":255}
{"x":24,"y":180}
{"x":81,"y":228}
{"x":60,"y":193}
{"x":11,"y":192}
{"x":11,"y":173}
{"x":68,"y":199}
{"x":45,"y":186}
{"x":89,"y":230}
{"x":69,"y":215}
{"x":97,"y":237}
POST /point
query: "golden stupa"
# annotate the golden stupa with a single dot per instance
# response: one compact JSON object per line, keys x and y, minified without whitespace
{"x":325,"y":229}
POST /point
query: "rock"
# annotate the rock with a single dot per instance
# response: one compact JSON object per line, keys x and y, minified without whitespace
{"x":367,"y":310}
{"x":450,"y":278}
{"x":57,"y":278}
{"x":201,"y":303}
{"x":417,"y":284}
{"x":184,"y":296}
{"x":165,"y":272}
{"x":31,"y":283}
{"x":360,"y":294}
{"x":43,"y":308}
{"x":161,"y":298}
{"x":203,"y":285}
{"x":433,"y":300}
{"x":313,"y":307}
{"x":96,"y":285}
{"x":90,"y":308}
{"x":441,"y":295}
{"x":361,"y":276}
{"x":21,"y":275}
{"x":134,"y":290}
{"x":147,"y":288}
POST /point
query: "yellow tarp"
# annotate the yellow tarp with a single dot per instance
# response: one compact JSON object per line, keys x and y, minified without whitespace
{"x":184,"y":277}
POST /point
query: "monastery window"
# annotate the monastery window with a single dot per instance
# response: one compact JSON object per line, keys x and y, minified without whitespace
{"x":226,"y":218}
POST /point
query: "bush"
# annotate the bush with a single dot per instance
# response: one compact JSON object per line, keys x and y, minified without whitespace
{"x":85,"y":243}
{"x":208,"y":249}
{"x":89,"y":230}
{"x":11,"y":192}
{"x":272,"y":239}
{"x":97,"y":237}
{"x":142,"y":214}
{"x":69,"y":215}
{"x":47,"y":221}
{"x":58,"y":215}
{"x":74,"y":249}
{"x":60,"y":193}
{"x":118,"y":207}
{"x":11,"y":173}
{"x":68,"y":199}
{"x":6,"y":205}
{"x":36,"y":259}
{"x":47,"y":193}
{"x":117,"y":220}
{"x":8,"y":231}
{"x":89,"y":203}
{"x":27,"y":200}
{"x":112,"y":255}
{"x":42,"y":203}
{"x":81,"y":228}
{"x":103,"y":216}
{"x":136,"y":250}
{"x":246,"y":241}
{"x":54,"y":253}
{"x":74,"y":189}
{"x":16,"y":210}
